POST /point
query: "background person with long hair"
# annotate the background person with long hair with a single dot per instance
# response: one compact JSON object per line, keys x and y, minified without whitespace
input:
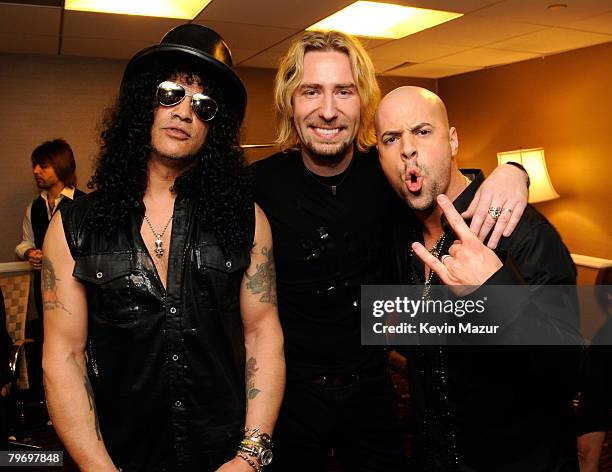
{"x":54,"y":170}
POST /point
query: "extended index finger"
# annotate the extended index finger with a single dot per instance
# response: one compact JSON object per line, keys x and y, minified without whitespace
{"x":454,"y":218}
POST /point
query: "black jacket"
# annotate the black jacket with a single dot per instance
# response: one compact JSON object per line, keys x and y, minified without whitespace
{"x":498,"y":408}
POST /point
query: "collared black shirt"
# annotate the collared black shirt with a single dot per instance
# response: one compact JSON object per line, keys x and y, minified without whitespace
{"x":484,"y":408}
{"x":166,"y":364}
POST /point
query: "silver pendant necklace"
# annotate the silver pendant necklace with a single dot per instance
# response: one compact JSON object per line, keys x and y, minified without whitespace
{"x":159,"y":244}
{"x":435,"y":251}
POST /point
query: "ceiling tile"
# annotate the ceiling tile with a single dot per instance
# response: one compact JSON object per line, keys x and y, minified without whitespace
{"x":371,"y":43}
{"x":287,"y":13}
{"x":16,"y":43}
{"x":283,"y":46}
{"x":552,"y":40}
{"x":239,"y":54}
{"x":268,"y":59}
{"x":458,"y":6}
{"x":382,"y":66}
{"x":536,"y":11}
{"x":28,"y":19}
{"x":48,"y":3}
{"x":413,"y":49}
{"x":96,"y":47}
{"x":430,"y":71}
{"x":473,"y":30}
{"x":484,"y":57}
{"x":595,"y":24}
{"x":261,"y":37}
{"x":117,"y":27}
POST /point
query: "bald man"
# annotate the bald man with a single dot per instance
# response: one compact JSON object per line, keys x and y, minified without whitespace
{"x":480,"y":408}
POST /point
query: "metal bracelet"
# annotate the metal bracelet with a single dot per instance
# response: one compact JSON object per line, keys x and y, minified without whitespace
{"x":250,"y":462}
{"x":253,"y":434}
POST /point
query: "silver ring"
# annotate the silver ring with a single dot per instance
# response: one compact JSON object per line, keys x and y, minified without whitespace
{"x":444,"y":257}
{"x":494,"y":212}
{"x":509,"y":210}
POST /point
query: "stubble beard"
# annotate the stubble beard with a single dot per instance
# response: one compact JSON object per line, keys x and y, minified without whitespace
{"x":426,"y":200}
{"x":324,"y":154}
{"x":177,"y":161}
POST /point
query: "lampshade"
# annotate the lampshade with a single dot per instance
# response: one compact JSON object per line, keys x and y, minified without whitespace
{"x":541,"y":188}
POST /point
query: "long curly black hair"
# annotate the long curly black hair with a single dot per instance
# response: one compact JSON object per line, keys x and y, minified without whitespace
{"x":220,"y":181}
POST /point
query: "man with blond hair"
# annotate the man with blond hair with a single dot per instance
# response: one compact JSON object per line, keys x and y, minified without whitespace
{"x":330,"y":211}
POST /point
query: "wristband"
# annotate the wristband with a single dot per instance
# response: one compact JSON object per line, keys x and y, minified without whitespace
{"x":257,"y":445}
{"x":253,"y":434}
{"x":250,"y":462}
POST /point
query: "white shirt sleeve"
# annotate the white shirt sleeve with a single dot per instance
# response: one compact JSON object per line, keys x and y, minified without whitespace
{"x":27,"y":238}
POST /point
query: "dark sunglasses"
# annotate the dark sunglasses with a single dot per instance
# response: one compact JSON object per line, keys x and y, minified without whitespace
{"x":171,"y":93}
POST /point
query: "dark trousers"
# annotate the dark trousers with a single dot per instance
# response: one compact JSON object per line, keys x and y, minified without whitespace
{"x":359,"y":421}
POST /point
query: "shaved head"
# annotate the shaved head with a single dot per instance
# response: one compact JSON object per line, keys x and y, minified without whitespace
{"x":417,"y":147}
{"x":412,"y":97}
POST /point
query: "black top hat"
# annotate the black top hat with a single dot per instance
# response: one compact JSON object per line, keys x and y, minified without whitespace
{"x":199,"y":45}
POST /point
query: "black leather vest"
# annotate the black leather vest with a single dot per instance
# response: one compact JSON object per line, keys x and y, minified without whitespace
{"x":166,"y":365}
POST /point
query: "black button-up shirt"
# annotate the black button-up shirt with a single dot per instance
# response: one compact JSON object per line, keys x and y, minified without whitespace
{"x":502,"y":408}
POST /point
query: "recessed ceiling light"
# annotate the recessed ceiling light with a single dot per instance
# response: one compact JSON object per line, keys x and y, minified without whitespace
{"x":382,"y":20}
{"x":181,"y":9}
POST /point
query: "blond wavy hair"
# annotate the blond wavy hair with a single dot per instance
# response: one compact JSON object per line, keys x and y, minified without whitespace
{"x":291,"y":71}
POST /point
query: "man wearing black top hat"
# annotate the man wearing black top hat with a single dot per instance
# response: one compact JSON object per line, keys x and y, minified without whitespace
{"x":163,"y":350}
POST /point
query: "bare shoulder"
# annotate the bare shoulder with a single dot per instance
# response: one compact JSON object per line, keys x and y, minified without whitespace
{"x":260,"y":276}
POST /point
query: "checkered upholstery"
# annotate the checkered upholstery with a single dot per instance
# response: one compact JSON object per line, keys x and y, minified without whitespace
{"x":16,"y":289}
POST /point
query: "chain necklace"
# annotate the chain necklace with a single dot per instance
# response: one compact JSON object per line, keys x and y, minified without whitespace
{"x":159,"y":244}
{"x":435,"y":251}
{"x":333,"y":188}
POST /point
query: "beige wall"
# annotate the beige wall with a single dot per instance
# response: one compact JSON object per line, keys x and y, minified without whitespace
{"x":562,"y":103}
{"x":45,"y":97}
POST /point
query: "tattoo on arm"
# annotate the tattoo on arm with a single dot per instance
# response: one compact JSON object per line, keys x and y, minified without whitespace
{"x":92,"y":406}
{"x":251,"y":369}
{"x":49,"y":287}
{"x":264,"y":279}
